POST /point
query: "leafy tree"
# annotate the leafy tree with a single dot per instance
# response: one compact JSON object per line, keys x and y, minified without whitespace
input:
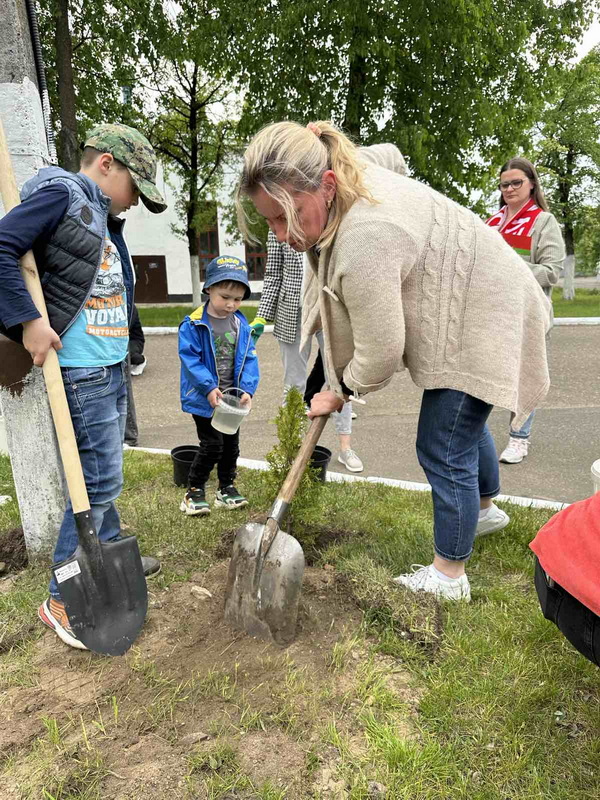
{"x":587,"y":240}
{"x":192,"y":127}
{"x":141,"y":62}
{"x":570,"y":151}
{"x":454,"y":84}
{"x":93,"y":50}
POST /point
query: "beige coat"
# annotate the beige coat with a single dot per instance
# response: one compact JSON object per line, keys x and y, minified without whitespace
{"x":418,"y":282}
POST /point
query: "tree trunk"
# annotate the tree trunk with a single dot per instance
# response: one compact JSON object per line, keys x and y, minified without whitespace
{"x":569,"y":266}
{"x":564,"y":189}
{"x":357,"y":79}
{"x":68,"y":151}
{"x":192,"y":204}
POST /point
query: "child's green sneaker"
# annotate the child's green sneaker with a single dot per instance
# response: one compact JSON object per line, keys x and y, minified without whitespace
{"x":229,"y":497}
{"x":194,"y":503}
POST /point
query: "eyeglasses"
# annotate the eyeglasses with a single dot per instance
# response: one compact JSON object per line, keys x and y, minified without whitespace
{"x":516,"y":184}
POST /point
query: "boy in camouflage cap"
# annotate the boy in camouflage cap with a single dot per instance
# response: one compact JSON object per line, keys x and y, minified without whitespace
{"x":133,"y":150}
{"x":71,"y":223}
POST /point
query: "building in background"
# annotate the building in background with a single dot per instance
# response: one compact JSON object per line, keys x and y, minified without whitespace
{"x":161,"y":258}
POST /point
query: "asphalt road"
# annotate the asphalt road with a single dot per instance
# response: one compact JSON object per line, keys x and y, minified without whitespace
{"x":565,"y":439}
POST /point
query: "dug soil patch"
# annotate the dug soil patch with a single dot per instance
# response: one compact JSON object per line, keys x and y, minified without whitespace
{"x":13,"y":554}
{"x":193,"y":705}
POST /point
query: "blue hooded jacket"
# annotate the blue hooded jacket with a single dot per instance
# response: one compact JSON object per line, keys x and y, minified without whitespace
{"x":198,"y":363}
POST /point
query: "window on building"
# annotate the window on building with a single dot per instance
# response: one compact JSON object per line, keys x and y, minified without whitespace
{"x":256,"y":261}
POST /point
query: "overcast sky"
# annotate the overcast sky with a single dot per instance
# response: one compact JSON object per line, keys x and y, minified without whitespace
{"x":591,"y":38}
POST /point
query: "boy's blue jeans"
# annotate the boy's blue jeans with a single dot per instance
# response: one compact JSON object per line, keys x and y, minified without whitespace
{"x":97,"y":399}
{"x":458,"y":455}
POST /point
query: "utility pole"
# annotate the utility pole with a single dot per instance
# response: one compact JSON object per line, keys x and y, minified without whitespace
{"x":34,"y":456}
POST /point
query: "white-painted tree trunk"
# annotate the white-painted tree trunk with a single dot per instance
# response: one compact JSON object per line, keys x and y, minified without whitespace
{"x":196,"y":283}
{"x":36,"y":466}
{"x":35,"y":460}
{"x":569,"y":278}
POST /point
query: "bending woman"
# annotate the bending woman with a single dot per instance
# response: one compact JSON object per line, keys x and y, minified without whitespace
{"x":402,"y":277}
{"x":533,"y":232}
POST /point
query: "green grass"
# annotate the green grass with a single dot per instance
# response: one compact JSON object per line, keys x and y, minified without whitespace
{"x":585,"y":304}
{"x":171,"y":316}
{"x":505,"y":707}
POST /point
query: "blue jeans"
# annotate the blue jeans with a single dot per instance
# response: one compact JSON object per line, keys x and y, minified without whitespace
{"x":457,"y":452}
{"x":525,"y":431}
{"x":97,"y":398}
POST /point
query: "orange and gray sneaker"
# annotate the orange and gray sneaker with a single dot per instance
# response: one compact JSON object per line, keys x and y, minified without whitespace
{"x":52,"y":613}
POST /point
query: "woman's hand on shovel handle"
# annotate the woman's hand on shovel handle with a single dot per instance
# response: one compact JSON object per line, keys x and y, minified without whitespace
{"x":38,"y":338}
{"x":324,"y":403}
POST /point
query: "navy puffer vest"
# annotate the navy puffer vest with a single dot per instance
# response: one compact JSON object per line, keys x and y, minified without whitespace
{"x":70,"y":260}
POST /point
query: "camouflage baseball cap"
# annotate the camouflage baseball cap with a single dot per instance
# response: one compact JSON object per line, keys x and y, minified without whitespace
{"x":131,"y":148}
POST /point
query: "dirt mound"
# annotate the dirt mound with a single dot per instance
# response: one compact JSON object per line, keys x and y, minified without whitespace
{"x":13,"y":554}
{"x":192,"y":703}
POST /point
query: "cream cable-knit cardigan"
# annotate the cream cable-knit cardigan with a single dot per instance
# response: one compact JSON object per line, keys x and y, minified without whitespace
{"x":418,"y":282}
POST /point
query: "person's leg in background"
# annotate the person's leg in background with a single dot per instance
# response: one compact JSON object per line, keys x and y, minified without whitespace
{"x":343,"y":426}
{"x":294,"y":360}
{"x":518,"y":442}
{"x":131,"y":426}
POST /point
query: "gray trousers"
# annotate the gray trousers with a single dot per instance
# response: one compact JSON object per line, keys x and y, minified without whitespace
{"x":295,"y":367}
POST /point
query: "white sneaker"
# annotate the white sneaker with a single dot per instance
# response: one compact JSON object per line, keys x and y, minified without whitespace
{"x":351,"y":461}
{"x":137,"y":369}
{"x":494,"y":520}
{"x":425,"y":579}
{"x":515,"y":451}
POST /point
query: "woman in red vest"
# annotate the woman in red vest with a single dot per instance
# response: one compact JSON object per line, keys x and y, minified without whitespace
{"x":533,"y":232}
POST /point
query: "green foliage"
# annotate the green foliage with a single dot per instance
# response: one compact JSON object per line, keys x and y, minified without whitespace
{"x":456,"y":85}
{"x":292,"y":423}
{"x":587,"y":240}
{"x":110,"y":41}
{"x":569,"y":150}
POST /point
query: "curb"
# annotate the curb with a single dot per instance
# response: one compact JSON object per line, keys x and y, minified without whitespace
{"x":577,"y":320}
{"x":413,"y":486}
{"x":158,"y":331}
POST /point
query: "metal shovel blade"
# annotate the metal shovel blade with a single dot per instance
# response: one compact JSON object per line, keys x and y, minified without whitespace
{"x":104,"y":591}
{"x":268,"y":607}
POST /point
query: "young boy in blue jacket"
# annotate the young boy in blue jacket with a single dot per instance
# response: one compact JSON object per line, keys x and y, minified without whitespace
{"x":71,"y":223}
{"x":217,"y":352}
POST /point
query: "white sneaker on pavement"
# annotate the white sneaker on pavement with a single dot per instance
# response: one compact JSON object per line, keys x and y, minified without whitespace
{"x":493,"y":521}
{"x":137,"y":369}
{"x":351,"y":461}
{"x":426,"y":579}
{"x":515,"y":451}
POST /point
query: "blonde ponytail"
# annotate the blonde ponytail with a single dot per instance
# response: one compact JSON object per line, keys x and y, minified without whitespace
{"x":286,"y":156}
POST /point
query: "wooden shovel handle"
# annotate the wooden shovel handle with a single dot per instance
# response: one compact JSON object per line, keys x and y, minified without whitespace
{"x":294,"y":476}
{"x":52,"y":375}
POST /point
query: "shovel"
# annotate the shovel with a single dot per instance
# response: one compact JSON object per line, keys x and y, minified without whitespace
{"x":102,"y":584}
{"x":267,"y":564}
